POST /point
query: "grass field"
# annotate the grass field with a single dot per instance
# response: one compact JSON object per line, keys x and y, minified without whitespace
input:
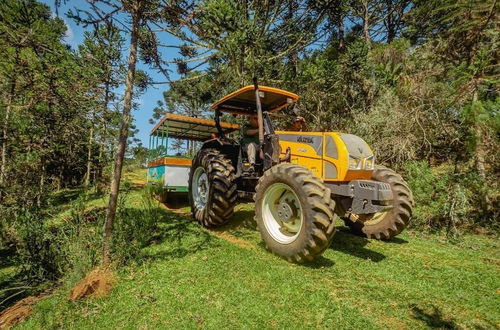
{"x":193,"y":278}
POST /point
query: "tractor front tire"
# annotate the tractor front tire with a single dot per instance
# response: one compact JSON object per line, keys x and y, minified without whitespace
{"x":385,"y":225}
{"x":294,"y":213}
{"x":212,"y":188}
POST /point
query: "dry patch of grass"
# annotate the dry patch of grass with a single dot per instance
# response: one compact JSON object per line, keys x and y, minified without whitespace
{"x":19,"y":311}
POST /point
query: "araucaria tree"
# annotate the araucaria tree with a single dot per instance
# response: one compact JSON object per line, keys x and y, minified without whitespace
{"x":140,"y":20}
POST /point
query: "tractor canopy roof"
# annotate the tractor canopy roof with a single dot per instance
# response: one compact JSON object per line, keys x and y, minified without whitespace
{"x":242,"y":102}
{"x":189,"y":128}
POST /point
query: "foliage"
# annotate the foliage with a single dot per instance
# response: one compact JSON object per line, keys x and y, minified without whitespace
{"x":445,"y":199}
{"x":418,"y":80}
{"x":136,"y":227}
{"x":434,"y":195}
{"x":65,"y":250}
{"x":49,"y":96}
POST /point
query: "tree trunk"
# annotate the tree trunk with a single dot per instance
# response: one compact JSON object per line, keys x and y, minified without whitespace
{"x":480,"y":153}
{"x":86,"y":181}
{"x":479,"y":148}
{"x":98,"y":173}
{"x":366,"y":22}
{"x":8,"y":109}
{"x":293,"y":57}
{"x":389,"y":22}
{"x":101,"y":158}
{"x":40,"y":187}
{"x":340,"y":27}
{"x":122,"y":140}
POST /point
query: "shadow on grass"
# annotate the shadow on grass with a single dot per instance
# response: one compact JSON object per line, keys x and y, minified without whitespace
{"x":13,"y":286}
{"x":433,"y":319}
{"x":64,"y":197}
{"x":345,"y":242}
{"x":177,"y":237}
{"x":6,"y":257}
{"x":241,"y":225}
{"x":396,"y":240}
{"x":319,"y":262}
{"x":242,"y":219}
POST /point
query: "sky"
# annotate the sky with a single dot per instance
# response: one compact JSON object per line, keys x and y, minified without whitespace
{"x":147,"y":101}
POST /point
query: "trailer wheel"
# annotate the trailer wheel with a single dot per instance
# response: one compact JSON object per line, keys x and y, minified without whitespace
{"x":294,"y":213}
{"x":385,"y":225}
{"x":212,"y":190}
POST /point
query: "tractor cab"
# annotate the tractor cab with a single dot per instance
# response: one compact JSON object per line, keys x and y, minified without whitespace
{"x":260,"y":102}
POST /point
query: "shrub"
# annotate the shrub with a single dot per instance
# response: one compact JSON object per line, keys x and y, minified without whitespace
{"x":48,"y":250}
{"x":135,"y":227}
{"x":39,"y":251}
{"x":448,"y":199}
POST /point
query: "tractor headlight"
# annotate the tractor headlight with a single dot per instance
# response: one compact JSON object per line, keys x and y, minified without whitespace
{"x":370,"y":163}
{"x":354,"y":163}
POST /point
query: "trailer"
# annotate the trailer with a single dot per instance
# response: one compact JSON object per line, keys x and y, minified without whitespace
{"x":171,"y":171}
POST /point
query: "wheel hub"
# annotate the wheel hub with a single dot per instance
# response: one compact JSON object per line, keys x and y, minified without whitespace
{"x":200,"y":188}
{"x":285,"y":212}
{"x":282,"y":213}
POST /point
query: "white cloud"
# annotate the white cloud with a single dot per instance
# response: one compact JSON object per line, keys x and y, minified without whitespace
{"x":69,"y":36}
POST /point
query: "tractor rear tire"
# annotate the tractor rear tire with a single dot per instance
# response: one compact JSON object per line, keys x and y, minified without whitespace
{"x":294,"y":213}
{"x":212,"y":188}
{"x":385,"y":225}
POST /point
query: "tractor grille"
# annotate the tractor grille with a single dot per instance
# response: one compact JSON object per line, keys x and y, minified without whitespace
{"x":371,"y":186}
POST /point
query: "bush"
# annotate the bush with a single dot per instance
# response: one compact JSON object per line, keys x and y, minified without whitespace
{"x":135,"y":227}
{"x":447,"y":199}
{"x":38,"y":252}
{"x":48,"y":251}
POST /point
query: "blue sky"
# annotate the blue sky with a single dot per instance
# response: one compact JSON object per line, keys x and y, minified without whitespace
{"x":148,"y":100}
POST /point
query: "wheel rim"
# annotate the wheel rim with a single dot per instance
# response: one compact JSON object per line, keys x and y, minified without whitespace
{"x":282,"y":213}
{"x":369,"y":219}
{"x":199,"y":188}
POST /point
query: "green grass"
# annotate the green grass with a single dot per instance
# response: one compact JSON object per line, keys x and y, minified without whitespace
{"x":191,"y":278}
{"x":64,"y":201}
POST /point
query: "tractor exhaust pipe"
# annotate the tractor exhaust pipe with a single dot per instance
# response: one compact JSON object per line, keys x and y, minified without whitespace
{"x":260,"y":118}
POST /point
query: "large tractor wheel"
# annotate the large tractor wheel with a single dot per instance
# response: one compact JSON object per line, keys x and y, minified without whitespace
{"x":294,"y":212}
{"x":385,"y":225}
{"x":212,"y":190}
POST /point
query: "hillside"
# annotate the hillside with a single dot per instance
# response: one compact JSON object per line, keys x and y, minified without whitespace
{"x":189,"y":277}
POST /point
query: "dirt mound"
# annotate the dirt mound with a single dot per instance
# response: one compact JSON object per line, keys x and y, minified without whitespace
{"x":96,"y":284}
{"x":18,"y":312}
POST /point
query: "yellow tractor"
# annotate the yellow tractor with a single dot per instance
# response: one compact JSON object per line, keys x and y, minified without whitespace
{"x":301,"y":182}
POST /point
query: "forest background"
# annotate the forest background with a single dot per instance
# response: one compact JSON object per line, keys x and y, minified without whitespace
{"x":418,"y":80}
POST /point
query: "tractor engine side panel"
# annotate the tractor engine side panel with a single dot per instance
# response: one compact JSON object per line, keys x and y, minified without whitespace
{"x":306,"y":149}
{"x":325,"y":154}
